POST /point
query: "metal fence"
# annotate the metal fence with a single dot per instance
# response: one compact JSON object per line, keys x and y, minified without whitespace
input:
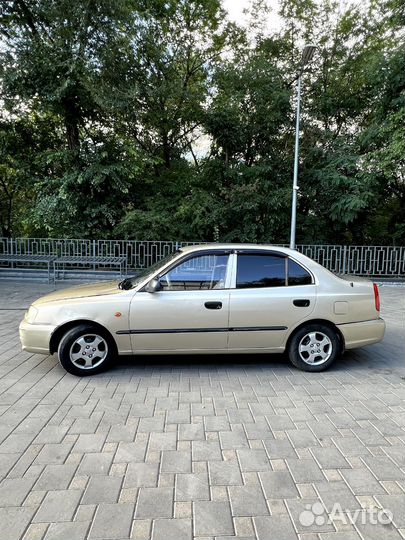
{"x":380,"y":261}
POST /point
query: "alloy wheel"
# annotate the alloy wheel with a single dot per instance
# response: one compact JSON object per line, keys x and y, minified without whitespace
{"x":315,"y":348}
{"x":88,"y":351}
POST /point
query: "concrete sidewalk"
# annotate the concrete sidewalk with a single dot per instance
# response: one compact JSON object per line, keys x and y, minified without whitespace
{"x":201,"y":447}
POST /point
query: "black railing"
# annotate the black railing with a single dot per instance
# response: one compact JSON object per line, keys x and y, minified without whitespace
{"x":378,"y":261}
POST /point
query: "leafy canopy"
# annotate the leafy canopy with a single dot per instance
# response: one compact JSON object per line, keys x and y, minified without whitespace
{"x":161,"y":119}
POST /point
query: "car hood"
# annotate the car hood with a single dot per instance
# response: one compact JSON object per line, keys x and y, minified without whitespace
{"x":80,"y":291}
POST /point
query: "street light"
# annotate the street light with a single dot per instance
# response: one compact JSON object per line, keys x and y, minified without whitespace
{"x":307,"y":55}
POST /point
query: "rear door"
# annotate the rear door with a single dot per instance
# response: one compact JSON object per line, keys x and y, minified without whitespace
{"x":271,"y":293}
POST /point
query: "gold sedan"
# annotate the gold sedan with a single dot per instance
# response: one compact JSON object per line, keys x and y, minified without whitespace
{"x":219,"y":298}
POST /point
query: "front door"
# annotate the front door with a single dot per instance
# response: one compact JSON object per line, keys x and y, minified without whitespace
{"x":190,"y":312}
{"x":272,"y":293}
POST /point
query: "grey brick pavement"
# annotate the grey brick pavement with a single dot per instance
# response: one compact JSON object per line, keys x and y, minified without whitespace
{"x":205,"y":448}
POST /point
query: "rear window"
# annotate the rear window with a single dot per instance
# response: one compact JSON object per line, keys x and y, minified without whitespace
{"x":297,"y":275}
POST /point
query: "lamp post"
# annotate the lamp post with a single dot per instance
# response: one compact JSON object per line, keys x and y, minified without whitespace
{"x":307,"y":54}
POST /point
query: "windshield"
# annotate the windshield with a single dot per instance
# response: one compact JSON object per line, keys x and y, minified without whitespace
{"x":133,"y":281}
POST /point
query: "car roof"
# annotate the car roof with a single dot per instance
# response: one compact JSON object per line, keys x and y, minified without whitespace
{"x":213,"y":246}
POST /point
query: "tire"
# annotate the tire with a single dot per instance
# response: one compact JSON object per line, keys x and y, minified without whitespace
{"x":86,"y":350}
{"x":314,"y":347}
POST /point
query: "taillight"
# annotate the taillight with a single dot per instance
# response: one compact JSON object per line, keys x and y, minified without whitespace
{"x":377,"y":297}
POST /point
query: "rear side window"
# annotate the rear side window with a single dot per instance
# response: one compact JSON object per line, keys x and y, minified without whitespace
{"x":297,"y":275}
{"x":255,"y":271}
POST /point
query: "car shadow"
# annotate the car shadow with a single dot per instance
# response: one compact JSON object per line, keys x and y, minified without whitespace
{"x":201,"y":360}
{"x":279,"y":364}
{"x":354,"y":361}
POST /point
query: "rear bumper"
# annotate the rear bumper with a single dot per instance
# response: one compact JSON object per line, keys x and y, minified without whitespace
{"x":35,"y":338}
{"x":362,"y":333}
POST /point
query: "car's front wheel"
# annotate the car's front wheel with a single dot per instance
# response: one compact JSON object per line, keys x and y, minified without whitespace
{"x":86,"y":350}
{"x":314,"y":347}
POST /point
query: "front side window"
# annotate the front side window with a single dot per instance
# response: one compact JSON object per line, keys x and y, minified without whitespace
{"x":202,"y":272}
{"x":255,"y":271}
{"x":130,"y":283}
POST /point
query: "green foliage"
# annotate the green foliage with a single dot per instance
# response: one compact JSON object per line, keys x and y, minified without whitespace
{"x":160,"y":120}
{"x":23,"y":140}
{"x":87,"y":201}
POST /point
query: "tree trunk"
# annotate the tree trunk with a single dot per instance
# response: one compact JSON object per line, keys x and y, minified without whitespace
{"x":7,"y":223}
{"x":166,"y":151}
{"x":72,"y":133}
{"x":72,"y":120}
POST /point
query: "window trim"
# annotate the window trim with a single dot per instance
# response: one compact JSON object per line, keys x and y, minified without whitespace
{"x":258,"y":251}
{"x":232,"y":267}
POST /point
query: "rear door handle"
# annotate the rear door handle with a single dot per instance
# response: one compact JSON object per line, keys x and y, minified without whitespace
{"x":213,"y":305}
{"x":301,"y":303}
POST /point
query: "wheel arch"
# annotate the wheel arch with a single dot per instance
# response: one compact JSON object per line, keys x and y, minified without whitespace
{"x":317,"y":321}
{"x":61,"y":330}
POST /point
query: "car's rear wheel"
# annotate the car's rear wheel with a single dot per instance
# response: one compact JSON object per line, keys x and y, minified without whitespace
{"x":314,"y":347}
{"x":86,"y":350}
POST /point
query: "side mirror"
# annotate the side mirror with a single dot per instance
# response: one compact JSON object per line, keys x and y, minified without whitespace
{"x":154,"y":285}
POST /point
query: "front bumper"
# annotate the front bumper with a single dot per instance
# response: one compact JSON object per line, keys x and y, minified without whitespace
{"x":35,"y":338}
{"x":362,"y":333}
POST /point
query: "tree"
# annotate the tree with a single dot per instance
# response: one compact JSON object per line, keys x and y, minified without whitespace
{"x":337,"y":194}
{"x":160,"y":119}
{"x":23,"y":140}
{"x":247,"y":121}
{"x":383,"y":148}
{"x":52,"y":64}
{"x":160,"y":103}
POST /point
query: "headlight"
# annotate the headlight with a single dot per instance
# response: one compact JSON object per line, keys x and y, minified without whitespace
{"x":31,"y":314}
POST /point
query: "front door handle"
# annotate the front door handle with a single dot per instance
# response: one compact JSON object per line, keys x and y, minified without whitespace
{"x":213,"y":305}
{"x":301,"y":303}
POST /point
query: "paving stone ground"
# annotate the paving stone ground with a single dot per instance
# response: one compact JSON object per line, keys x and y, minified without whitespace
{"x":200,"y":447}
